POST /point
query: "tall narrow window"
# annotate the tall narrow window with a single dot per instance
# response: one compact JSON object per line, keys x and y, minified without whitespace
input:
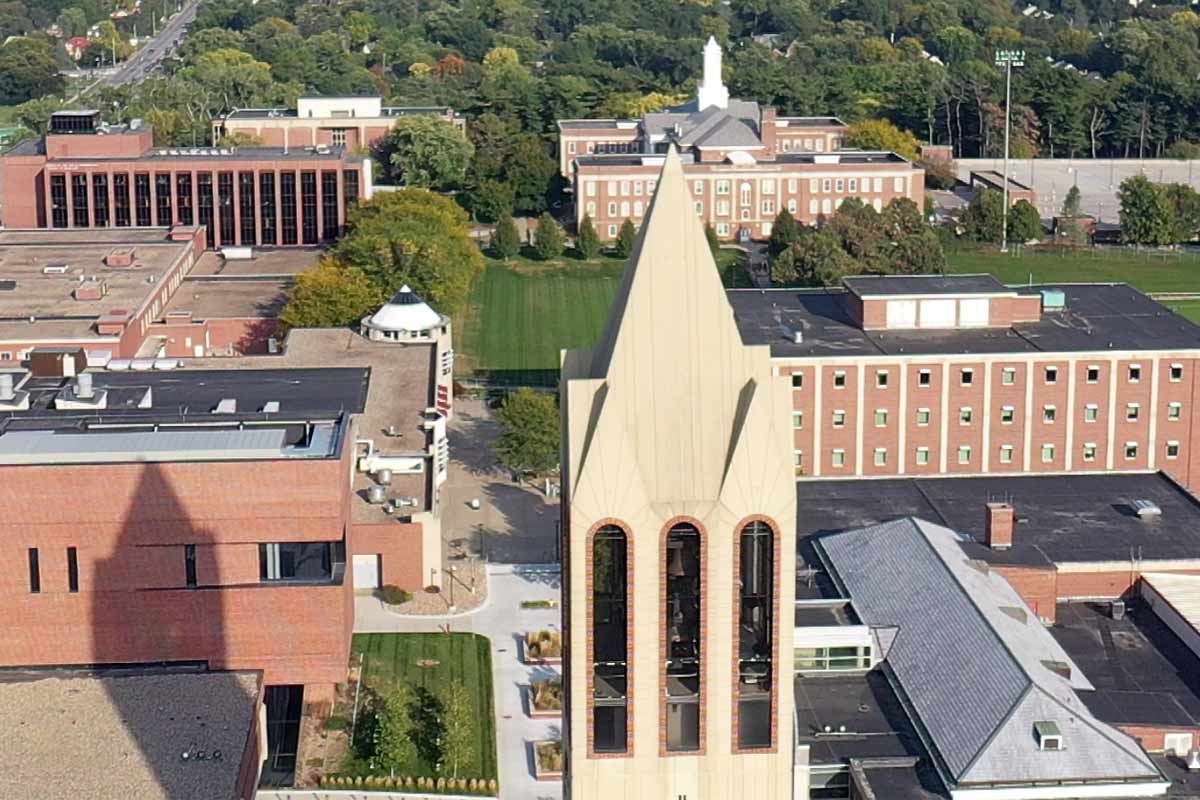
{"x":266,"y":186}
{"x":204,"y":192}
{"x":162,"y":197}
{"x":684,"y":646}
{"x":308,"y":207}
{"x":100,"y":199}
{"x":189,"y":563}
{"x":58,"y":201}
{"x":79,"y":200}
{"x":35,"y":573}
{"x":329,"y":204}
{"x":610,"y":667}
{"x":121,"y":199}
{"x":287,"y":207}
{"x":183,"y":186}
{"x":756,"y":634}
{"x":350,"y":193}
{"x":141,"y":197}
{"x":225,"y":205}
{"x":72,"y":569}
{"x":246,"y":207}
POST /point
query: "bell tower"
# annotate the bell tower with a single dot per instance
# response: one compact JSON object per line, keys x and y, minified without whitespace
{"x":712,"y":91}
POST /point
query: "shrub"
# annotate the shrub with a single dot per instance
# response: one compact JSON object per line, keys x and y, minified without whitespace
{"x":492,"y":786}
{"x":544,"y":644}
{"x":548,"y":239}
{"x":337,"y":724}
{"x":394,"y":595}
{"x":441,"y":784}
{"x":547,"y":694}
{"x":626,"y":237}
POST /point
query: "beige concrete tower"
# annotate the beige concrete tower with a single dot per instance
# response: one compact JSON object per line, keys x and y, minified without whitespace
{"x":679,"y":508}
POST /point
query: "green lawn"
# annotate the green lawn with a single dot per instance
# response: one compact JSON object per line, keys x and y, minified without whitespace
{"x":466,"y":657}
{"x":1148,"y":271}
{"x":1188,"y":308}
{"x":520,"y":314}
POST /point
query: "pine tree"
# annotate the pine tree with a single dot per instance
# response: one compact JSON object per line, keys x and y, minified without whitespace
{"x":625,"y":239}
{"x":548,"y":239}
{"x":587,"y":242}
{"x":506,"y":241}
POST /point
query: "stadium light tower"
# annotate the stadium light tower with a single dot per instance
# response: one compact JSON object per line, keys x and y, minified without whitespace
{"x":1007,"y":59}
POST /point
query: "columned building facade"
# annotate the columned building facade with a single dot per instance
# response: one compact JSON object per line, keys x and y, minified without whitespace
{"x":679,"y":511}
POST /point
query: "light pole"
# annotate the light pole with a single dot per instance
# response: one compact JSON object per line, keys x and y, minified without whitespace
{"x":1007,"y":59}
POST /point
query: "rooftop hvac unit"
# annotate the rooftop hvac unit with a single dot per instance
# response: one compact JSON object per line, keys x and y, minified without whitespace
{"x":797,"y":337}
{"x":227,"y":405}
{"x":55,"y":269}
{"x":1116,"y":609}
{"x":384,"y":477}
{"x":1193,"y":763}
{"x":1146,"y":509}
{"x":376,"y":495}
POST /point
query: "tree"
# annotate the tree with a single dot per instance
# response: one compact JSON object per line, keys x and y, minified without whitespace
{"x":233,"y":78}
{"x":461,"y":727}
{"x":425,"y":151}
{"x":1024,"y":222}
{"x":529,"y":432}
{"x":816,"y":259}
{"x":714,"y":242}
{"x":28,"y":70}
{"x":879,"y":134}
{"x":784,"y":232}
{"x":489,"y":200}
{"x":530,"y":170}
{"x":1184,"y":202}
{"x":395,"y":746}
{"x":506,"y":241}
{"x":626,"y":237}
{"x":549,"y":239}
{"x":72,"y":21}
{"x":330,"y":295}
{"x":414,"y":237}
{"x":1068,"y":220}
{"x":1145,"y":214}
{"x":917,"y":253}
{"x":587,"y":242}
{"x":984,"y":216}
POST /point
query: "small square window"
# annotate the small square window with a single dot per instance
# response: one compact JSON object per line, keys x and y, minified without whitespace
{"x":1047,"y":453}
{"x":1131,"y":450}
{"x":922,"y":416}
{"x":1135,"y":373}
{"x":1049,"y":413}
{"x":924,"y":378}
{"x":839,"y":380}
{"x":1132,"y":412}
{"x":1093,"y":374}
{"x":1172,"y":449}
{"x":797,"y":380}
{"x":1175,"y":411}
{"x":797,"y":419}
{"x":881,"y":418}
{"x":1006,"y":453}
{"x":1091,"y":412}
{"x":1008,"y":376}
{"x":1089,"y":452}
{"x":968,"y":377}
{"x":881,"y":379}
{"x":839,"y":458}
{"x":964,"y":416}
{"x":1051,"y":374}
{"x":964,"y":454}
{"x":922,"y":456}
{"x":839,"y":419}
{"x":880,"y":457}
{"x":798,"y":458}
{"x":1007,"y":413}
{"x":1176,"y":373}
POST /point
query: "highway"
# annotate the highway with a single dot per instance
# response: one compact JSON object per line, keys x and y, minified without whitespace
{"x":149,"y":56}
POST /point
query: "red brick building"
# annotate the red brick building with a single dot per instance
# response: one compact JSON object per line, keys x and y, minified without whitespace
{"x":84,"y":174}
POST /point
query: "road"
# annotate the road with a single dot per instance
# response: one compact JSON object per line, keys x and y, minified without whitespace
{"x":149,"y":56}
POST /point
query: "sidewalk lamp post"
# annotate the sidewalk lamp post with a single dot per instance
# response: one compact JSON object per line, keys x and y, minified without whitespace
{"x":1007,"y":59}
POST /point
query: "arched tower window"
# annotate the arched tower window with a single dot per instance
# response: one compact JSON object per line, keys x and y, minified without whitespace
{"x":610,"y":667}
{"x":684,"y":644}
{"x":756,"y":634}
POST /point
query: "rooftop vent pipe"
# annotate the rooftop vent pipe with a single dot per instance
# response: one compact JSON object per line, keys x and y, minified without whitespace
{"x":83,"y":386}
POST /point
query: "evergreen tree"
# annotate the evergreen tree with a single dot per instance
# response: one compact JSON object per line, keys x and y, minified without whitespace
{"x":1024,"y":222}
{"x":548,"y":239}
{"x":1069,"y":227}
{"x":506,"y":241}
{"x":784,"y":232}
{"x":587,"y":242}
{"x":983,"y":218}
{"x":625,"y":239}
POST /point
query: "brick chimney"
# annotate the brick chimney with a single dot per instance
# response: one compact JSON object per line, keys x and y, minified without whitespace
{"x":767,"y":130}
{"x":1000,"y":519}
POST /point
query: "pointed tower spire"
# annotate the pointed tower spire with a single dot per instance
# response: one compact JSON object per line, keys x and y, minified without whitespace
{"x":712,"y":91}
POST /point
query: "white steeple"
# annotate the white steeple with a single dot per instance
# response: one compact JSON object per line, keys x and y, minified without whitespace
{"x":712,"y":91}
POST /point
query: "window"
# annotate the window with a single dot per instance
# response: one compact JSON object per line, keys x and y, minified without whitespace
{"x":329,"y":208}
{"x":697,"y":187}
{"x":590,"y":188}
{"x":967,"y":377}
{"x":1172,"y":449}
{"x":922,"y":456}
{"x":768,"y":207}
{"x":814,"y":185}
{"x":72,"y":569}
{"x":1047,"y":453}
{"x":1131,"y":450}
{"x":791,"y":206}
{"x":1007,"y":413}
{"x":1008,"y":376}
{"x":839,"y":185}
{"x":826,"y":185}
{"x":639,"y":187}
{"x":898,"y":184}
{"x":798,"y":459}
{"x":768,"y":186}
{"x":839,"y":379}
{"x":624,"y":209}
{"x":189,"y":564}
{"x":814,"y":207}
{"x":1089,"y":452}
{"x":723,"y":208}
{"x":610,"y":669}
{"x":308,"y":207}
{"x":839,"y":419}
{"x":881,"y":418}
{"x":797,"y":419}
{"x":722,"y":187}
{"x":1135,"y":373}
{"x":924,"y":378}
{"x":881,"y":379}
{"x":832,"y":659}
{"x":853,"y":184}
{"x":964,"y":454}
{"x":225,"y":206}
{"x":79,"y":201}
{"x":1051,"y":374}
{"x":58,"y":202}
{"x":881,"y":456}
{"x":793,"y":185}
{"x":756,"y":628}
{"x":797,"y":380}
{"x":162,"y":194}
{"x":35,"y":573}
{"x":1049,"y":413}
{"x":612,"y":230}
{"x":1093,"y":374}
{"x":247,"y":206}
{"x":100,"y":199}
{"x":287,"y":205}
{"x":1176,"y":373}
{"x":612,"y":208}
{"x":964,"y":415}
{"x":1091,"y":412}
{"x":839,"y":458}
{"x":121,"y":199}
{"x":745,"y":194}
{"x":266,"y":198}
{"x":624,"y":188}
{"x":612,"y":189}
{"x":699,"y":208}
{"x":1132,"y":411}
{"x":1006,"y":453}
{"x":682,"y":615}
{"x":922,"y":416}
{"x":1174,"y":411}
{"x":296,"y":561}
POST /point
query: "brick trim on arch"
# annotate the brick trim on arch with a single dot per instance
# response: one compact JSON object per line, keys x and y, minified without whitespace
{"x":776,"y":545}
{"x":663,"y":752}
{"x":589,"y":604}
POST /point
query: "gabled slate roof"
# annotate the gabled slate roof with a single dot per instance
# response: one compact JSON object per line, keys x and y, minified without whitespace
{"x":974,"y":663}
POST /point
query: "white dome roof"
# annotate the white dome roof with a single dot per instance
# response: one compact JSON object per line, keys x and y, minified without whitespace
{"x":405,"y":312}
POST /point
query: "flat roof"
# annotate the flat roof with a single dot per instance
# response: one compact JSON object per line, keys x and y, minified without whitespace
{"x":876,"y":725}
{"x":230,"y":299}
{"x":1096,"y":317}
{"x":1182,"y":592}
{"x":217,"y":155}
{"x":812,"y":122}
{"x":291,"y":113}
{"x":49,"y":299}
{"x":265,"y":261}
{"x":892,"y":285}
{"x":1060,"y":518}
{"x":122,"y":735}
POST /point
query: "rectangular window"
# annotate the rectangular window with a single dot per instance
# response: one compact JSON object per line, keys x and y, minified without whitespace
{"x":814,"y":185}
{"x":287,"y":206}
{"x":1175,"y":411}
{"x":898,"y":184}
{"x":922,"y":416}
{"x":1006,"y":453}
{"x":922,"y":456}
{"x":1091,"y":412}
{"x":1008,"y":376}
{"x":722,"y":187}
{"x":624,"y":188}
{"x":797,"y":419}
{"x":839,"y":458}
{"x":880,"y":456}
{"x":1049,"y":413}
{"x":189,"y":564}
{"x":162,"y":197}
{"x":35,"y":573}
{"x":1172,"y":449}
{"x":964,"y":415}
{"x":1176,"y":373}
{"x":697,"y":187}
{"x":839,"y":419}
{"x":839,"y":185}
{"x":329,"y":205}
{"x":839,"y":379}
{"x":964,"y":454}
{"x":1047,"y":453}
{"x":79,"y":201}
{"x":246,"y":208}
{"x":797,"y":380}
{"x":853,"y":185}
{"x":337,"y":137}
{"x":967,"y":377}
{"x":204,"y":196}
{"x":826,"y":185}
{"x":308,"y":206}
{"x":141,"y":196}
{"x":121,"y":199}
{"x":639,"y":188}
{"x":768,"y":186}
{"x":183,"y":192}
{"x":878,"y":184}
{"x":296,"y":561}
{"x":1093,"y":374}
{"x":72,"y":569}
{"x":1051,"y":374}
{"x":798,"y":459}
{"x":1132,"y":411}
{"x":266,"y":199}
{"x":1089,"y":452}
{"x":100,"y":199}
{"x":1135,"y":373}
{"x":881,"y":379}
{"x":1131,"y":450}
{"x":881,"y":418}
{"x":612,"y":208}
{"x":58,"y":201}
{"x":924,"y":378}
{"x":1007,"y":414}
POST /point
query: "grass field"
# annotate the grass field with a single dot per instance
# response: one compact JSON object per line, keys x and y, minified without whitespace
{"x":392,"y":658}
{"x":1188,"y":308}
{"x":1148,"y":271}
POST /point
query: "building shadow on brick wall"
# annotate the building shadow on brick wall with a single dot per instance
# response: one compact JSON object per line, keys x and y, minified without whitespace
{"x":156,"y":611}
